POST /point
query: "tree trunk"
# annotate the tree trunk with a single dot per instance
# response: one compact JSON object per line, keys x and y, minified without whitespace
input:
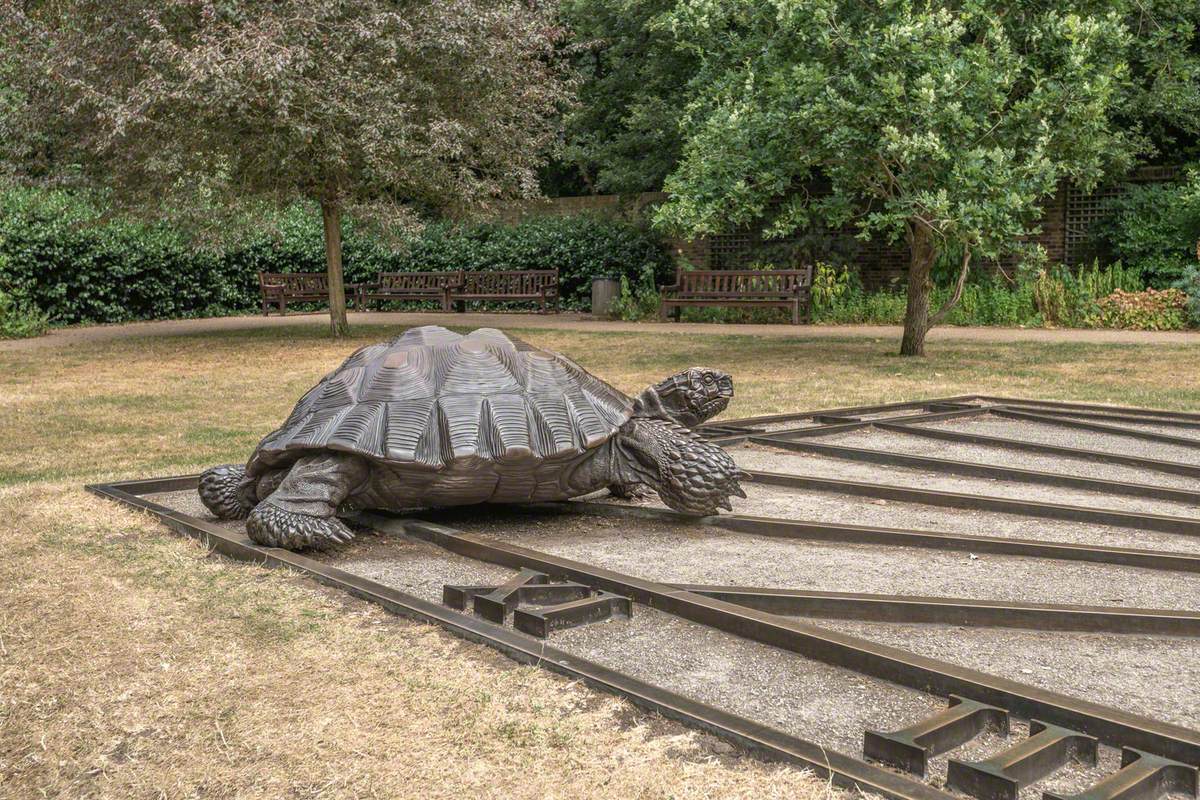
{"x":332,"y":216}
{"x":920,"y":284}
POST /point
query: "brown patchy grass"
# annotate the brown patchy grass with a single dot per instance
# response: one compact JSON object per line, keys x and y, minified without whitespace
{"x":134,"y":665}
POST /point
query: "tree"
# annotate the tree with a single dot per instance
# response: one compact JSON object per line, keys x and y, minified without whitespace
{"x":941,"y":124}
{"x":375,"y":107}
{"x":623,"y":136}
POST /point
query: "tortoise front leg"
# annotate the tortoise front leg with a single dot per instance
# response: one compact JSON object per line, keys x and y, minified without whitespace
{"x":302,"y":512}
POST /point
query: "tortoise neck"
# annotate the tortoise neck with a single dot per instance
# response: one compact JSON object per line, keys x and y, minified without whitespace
{"x":649,"y":405}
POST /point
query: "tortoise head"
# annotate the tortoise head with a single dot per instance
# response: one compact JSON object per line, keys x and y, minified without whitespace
{"x":692,"y":396}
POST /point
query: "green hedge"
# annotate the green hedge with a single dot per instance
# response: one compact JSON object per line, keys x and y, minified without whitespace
{"x":57,"y":252}
{"x":1154,"y":228}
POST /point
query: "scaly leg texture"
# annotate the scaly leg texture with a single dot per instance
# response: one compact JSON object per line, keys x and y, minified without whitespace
{"x":302,"y":512}
{"x":222,"y":490}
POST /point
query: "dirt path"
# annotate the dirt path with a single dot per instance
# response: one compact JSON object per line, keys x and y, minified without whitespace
{"x":98,"y":333}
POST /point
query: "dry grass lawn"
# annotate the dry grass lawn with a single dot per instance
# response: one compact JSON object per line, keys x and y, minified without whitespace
{"x":132,"y":664}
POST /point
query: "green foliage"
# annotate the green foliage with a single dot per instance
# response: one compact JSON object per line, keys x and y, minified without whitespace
{"x":1189,"y":284}
{"x":624,"y":135}
{"x":374,"y":106}
{"x":580,"y":247}
{"x":1155,"y":228}
{"x":78,"y":267}
{"x":1050,"y":296}
{"x":1097,"y":281}
{"x":19,"y":319}
{"x":638,"y":301}
{"x":950,"y":117}
{"x":993,"y":301}
{"x":1150,"y":310}
{"x":829,"y":284}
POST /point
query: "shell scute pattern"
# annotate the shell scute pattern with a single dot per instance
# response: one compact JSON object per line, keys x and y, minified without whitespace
{"x":432,"y":396}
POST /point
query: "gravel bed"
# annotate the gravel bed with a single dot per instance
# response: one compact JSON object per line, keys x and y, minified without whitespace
{"x":873,"y":439}
{"x":699,"y":554}
{"x":774,"y":460}
{"x":800,"y":504}
{"x":1154,"y":676}
{"x":989,"y":425}
{"x":1148,"y":424}
{"x":807,"y":698}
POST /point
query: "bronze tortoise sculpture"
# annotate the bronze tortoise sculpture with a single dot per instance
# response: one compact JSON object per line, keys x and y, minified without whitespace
{"x":434,"y":418}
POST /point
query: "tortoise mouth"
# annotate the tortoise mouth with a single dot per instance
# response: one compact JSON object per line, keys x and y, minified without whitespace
{"x":712,"y":407}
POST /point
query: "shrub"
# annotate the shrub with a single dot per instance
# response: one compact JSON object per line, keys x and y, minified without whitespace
{"x":580,"y":247}
{"x":74,"y":265}
{"x":1189,"y":284}
{"x":991,"y":301}
{"x":829,"y":284}
{"x":636,"y":302}
{"x":1154,"y":228}
{"x":1149,"y":310}
{"x":1052,"y":298}
{"x":20,"y":319}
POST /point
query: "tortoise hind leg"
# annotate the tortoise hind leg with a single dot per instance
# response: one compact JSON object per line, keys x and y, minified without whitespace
{"x":225,"y":493}
{"x":630,"y":491}
{"x":302,"y":512}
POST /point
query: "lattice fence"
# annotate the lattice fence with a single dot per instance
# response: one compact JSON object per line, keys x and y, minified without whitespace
{"x":1085,"y":209}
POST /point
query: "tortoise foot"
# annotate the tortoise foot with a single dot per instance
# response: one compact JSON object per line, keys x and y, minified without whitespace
{"x":271,"y":526}
{"x":220,"y":491}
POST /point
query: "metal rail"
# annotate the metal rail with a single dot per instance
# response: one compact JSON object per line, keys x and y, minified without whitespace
{"x":1066,"y":404}
{"x":1166,"y":422}
{"x":1100,"y":456}
{"x":899,"y":537}
{"x":756,"y":613}
{"x":975,"y":469}
{"x":1095,"y":427}
{"x":1137,"y":520}
{"x":954,"y":610}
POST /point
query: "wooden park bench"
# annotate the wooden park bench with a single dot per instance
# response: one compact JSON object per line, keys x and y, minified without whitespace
{"x":540,"y":285}
{"x":412,"y":286}
{"x":747,"y":288}
{"x":281,"y":288}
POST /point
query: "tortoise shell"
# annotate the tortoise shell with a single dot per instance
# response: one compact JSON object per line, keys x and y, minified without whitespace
{"x":431,"y":397}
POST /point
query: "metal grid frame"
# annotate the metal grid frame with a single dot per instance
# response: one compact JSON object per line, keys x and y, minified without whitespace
{"x":758,"y":614}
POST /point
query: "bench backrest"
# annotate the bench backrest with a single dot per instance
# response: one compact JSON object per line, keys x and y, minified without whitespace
{"x":510,"y":281}
{"x":295,"y":282}
{"x":409,"y":281}
{"x":743,"y":282}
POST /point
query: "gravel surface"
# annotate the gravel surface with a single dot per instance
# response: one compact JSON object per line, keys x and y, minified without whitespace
{"x":1150,"y":427}
{"x":1148,"y":675}
{"x":774,"y":460}
{"x":699,"y":554}
{"x":1154,"y":676}
{"x":799,"y":504}
{"x":916,"y":445}
{"x":1068,"y":437}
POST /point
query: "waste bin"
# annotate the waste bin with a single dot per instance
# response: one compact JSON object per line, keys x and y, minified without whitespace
{"x":604,"y":291}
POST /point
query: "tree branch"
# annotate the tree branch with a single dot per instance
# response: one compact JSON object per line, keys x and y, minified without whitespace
{"x":937,"y":318}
